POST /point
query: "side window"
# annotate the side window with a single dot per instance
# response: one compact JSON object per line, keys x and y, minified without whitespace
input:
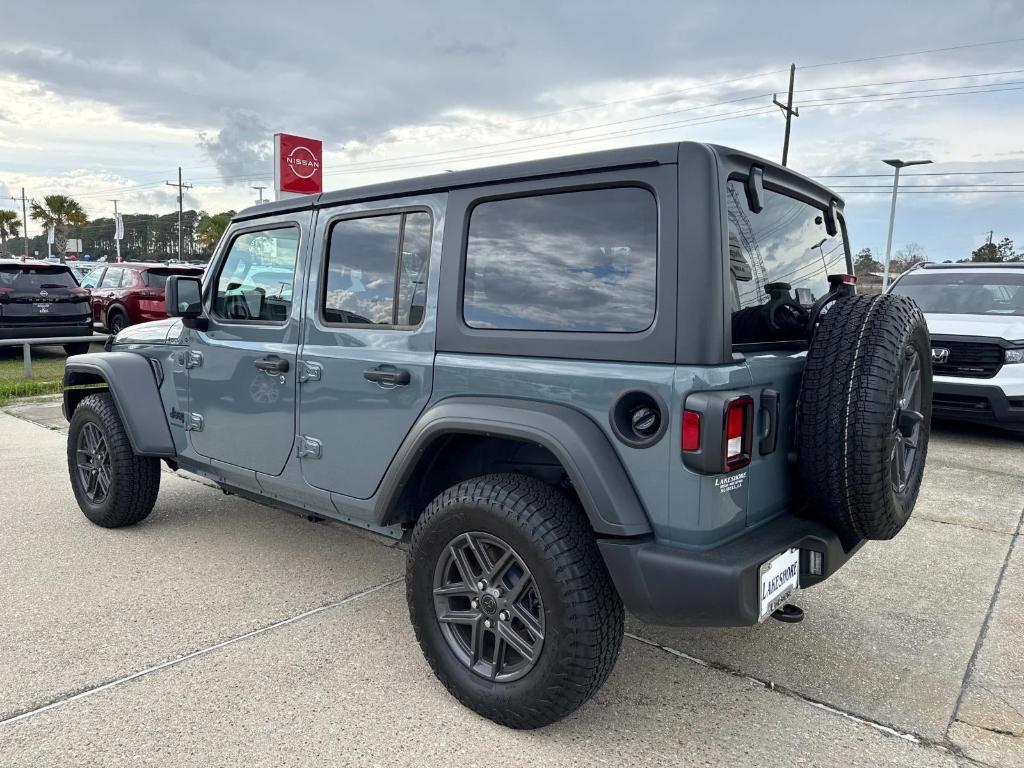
{"x":112,"y":278}
{"x":574,"y":261}
{"x":376,"y":271}
{"x":257,"y":277}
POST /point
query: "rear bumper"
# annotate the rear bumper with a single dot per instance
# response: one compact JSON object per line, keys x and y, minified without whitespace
{"x":982,"y":404}
{"x":714,"y":587}
{"x":81,"y":327}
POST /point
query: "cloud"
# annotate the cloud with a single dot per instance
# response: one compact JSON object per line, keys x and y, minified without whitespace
{"x":244,"y":143}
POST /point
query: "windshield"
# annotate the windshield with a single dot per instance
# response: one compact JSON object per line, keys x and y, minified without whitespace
{"x":32,"y":279}
{"x":785,"y":243}
{"x":965,"y":293}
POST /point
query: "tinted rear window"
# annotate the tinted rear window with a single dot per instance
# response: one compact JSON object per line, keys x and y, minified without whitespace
{"x":157,"y":278}
{"x":28,"y":278}
{"x":574,"y":261}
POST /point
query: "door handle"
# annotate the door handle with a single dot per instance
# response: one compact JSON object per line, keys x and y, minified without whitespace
{"x":387,"y":376}
{"x":272,"y":364}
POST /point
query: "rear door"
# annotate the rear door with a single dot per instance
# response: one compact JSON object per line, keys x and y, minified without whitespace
{"x":784,"y":248}
{"x":242,"y":374}
{"x":368,"y":353}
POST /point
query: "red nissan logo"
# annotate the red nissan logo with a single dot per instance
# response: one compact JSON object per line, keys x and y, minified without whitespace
{"x":303,"y":165}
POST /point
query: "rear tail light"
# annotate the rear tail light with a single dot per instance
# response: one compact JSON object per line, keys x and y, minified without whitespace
{"x":691,"y":431}
{"x":739,"y":431}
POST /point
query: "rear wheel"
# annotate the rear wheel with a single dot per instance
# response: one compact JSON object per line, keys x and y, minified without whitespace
{"x":112,"y":485}
{"x":510,"y":600}
{"x":116,"y":321}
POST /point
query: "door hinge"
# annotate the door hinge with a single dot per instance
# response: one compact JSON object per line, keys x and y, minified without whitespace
{"x":309,"y":371}
{"x":194,"y":358}
{"x":193,"y":423}
{"x":308,"y":447}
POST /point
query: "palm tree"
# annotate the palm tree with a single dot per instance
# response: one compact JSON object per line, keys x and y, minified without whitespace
{"x":210,"y":228}
{"x":10,"y":226}
{"x":59,"y":212}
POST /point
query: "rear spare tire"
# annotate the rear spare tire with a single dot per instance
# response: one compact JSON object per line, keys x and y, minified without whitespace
{"x":864,"y":414}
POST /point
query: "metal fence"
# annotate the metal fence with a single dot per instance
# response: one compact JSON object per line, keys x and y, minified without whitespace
{"x":27,"y":344}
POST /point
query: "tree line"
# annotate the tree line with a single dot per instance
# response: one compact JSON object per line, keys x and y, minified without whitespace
{"x":864,"y":262}
{"x":147,"y":236}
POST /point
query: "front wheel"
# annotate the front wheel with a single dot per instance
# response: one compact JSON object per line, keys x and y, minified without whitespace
{"x":510,"y":600}
{"x":78,"y":348}
{"x":112,"y":485}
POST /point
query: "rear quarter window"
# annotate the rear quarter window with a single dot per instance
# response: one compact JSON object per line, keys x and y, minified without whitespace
{"x":574,"y":261}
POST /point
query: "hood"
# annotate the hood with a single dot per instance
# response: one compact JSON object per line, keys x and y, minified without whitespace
{"x":1009,"y":328}
{"x":168,"y":331}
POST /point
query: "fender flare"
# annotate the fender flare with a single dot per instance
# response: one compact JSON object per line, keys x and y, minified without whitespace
{"x":585,"y":452}
{"x":132,"y":384}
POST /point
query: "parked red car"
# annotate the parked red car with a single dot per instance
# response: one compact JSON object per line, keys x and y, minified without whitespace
{"x":128,"y":293}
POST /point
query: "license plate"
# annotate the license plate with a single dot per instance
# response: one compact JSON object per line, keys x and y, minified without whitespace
{"x":779,"y":578}
{"x":44,"y":309}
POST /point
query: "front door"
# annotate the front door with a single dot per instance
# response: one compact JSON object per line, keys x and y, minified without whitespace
{"x":242,"y":367}
{"x":369,"y":345}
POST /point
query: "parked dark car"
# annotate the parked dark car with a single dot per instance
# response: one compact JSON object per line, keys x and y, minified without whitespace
{"x":125,"y":294}
{"x":40,"y":300}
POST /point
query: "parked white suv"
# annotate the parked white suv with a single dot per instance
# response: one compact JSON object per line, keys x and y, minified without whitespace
{"x":975,"y":315}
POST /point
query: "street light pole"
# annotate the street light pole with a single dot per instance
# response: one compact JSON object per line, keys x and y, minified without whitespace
{"x":897,"y":164}
{"x":821,"y":252}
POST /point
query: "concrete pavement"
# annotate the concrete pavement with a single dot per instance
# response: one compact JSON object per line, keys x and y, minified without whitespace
{"x":220,"y":632}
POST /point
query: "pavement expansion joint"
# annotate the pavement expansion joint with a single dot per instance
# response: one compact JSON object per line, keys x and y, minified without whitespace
{"x":919,"y":740}
{"x":983,"y":632}
{"x":67,"y":699}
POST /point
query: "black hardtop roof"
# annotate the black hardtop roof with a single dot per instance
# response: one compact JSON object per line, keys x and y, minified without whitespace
{"x":651,"y":154}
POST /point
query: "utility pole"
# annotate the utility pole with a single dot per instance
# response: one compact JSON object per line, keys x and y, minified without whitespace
{"x":260,"y":201}
{"x":181,"y":194}
{"x":788,"y":111}
{"x":24,"y":218}
{"x":117,"y":240}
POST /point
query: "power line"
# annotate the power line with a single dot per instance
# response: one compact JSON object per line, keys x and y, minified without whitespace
{"x":908,"y":175}
{"x":914,"y":53}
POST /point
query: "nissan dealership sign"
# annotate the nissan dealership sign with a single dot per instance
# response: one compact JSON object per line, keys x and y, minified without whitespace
{"x":298,"y":165}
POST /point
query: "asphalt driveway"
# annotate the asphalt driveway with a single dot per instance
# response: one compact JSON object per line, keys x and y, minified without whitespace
{"x":221,"y":632}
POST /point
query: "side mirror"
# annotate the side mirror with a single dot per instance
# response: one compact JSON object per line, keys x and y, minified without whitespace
{"x":183,"y":297}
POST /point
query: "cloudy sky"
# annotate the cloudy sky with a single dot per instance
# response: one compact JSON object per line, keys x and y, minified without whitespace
{"x":104,"y":99}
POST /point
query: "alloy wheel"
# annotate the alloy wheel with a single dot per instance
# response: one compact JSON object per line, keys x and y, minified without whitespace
{"x":93,"y":463}
{"x":906,"y":428}
{"x":489,"y":607}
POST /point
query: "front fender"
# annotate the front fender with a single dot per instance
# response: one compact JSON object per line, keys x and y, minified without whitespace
{"x":608,"y":497}
{"x":132,"y":384}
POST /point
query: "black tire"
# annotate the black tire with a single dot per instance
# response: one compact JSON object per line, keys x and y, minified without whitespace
{"x":117,"y":321}
{"x":79,"y":348}
{"x":133,"y":481}
{"x":852,"y":421}
{"x":581,"y":611}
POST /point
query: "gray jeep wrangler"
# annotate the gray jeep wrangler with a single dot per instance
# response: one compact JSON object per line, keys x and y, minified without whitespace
{"x":639,"y":378}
